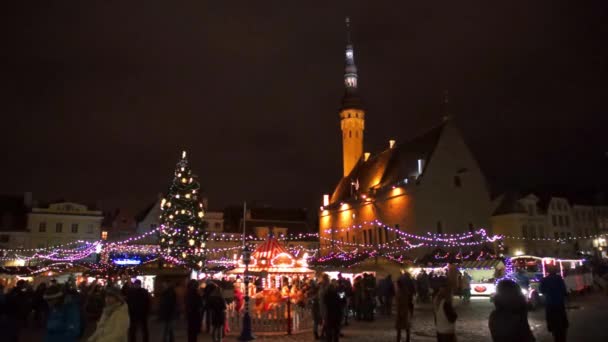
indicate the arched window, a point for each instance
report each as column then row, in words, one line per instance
column 350, row 134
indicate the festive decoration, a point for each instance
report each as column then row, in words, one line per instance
column 182, row 228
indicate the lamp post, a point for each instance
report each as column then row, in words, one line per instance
column 246, row 334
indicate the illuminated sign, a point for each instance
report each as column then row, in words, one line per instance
column 483, row 289
column 127, row 261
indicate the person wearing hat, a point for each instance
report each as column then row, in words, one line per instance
column 63, row 323
column 114, row 323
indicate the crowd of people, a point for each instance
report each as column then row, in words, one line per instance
column 108, row 313
column 103, row 313
column 333, row 301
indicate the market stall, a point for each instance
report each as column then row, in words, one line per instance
column 483, row 275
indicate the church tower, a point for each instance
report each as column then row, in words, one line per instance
column 352, row 115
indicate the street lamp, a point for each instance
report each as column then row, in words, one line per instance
column 246, row 334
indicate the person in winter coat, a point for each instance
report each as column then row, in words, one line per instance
column 194, row 310
column 40, row 306
column 63, row 323
column 216, row 305
column 168, row 311
column 387, row 292
column 313, row 297
column 138, row 300
column 404, row 312
column 333, row 315
column 113, row 326
column 554, row 290
column 509, row 321
column 94, row 303
column 445, row 316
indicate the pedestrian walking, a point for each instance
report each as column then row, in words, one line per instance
column 207, row 290
column 63, row 323
column 554, row 289
column 404, row 310
column 422, row 287
column 387, row 292
column 509, row 321
column 217, row 308
column 168, row 311
column 40, row 306
column 138, row 300
column 445, row 316
column 194, row 310
column 466, row 287
column 333, row 315
column 113, row 326
column 313, row 299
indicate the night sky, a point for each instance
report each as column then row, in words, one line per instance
column 99, row 97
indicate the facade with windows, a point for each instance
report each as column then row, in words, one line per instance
column 549, row 225
column 61, row 223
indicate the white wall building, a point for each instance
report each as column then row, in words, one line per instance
column 64, row 222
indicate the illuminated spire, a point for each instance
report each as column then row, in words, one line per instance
column 351, row 100
column 350, row 69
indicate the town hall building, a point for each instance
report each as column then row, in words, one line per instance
column 427, row 183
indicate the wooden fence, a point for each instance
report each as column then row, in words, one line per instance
column 285, row 318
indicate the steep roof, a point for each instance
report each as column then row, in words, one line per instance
column 390, row 166
column 509, row 204
column 142, row 214
column 13, row 213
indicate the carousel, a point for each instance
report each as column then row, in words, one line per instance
column 278, row 276
column 272, row 265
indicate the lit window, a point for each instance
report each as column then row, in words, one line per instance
column 104, row 235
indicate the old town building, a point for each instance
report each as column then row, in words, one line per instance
column 428, row 183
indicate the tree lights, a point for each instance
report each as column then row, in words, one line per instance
column 182, row 228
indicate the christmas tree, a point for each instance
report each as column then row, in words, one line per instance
column 182, row 228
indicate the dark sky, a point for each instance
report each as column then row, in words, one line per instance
column 99, row 97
